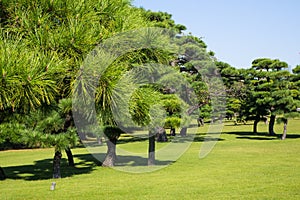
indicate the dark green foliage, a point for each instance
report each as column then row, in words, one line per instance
column 112, row 132
column 163, row 20
column 271, row 90
column 10, row 135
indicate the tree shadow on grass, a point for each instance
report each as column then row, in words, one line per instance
column 206, row 139
column 84, row 164
column 292, row 136
column 257, row 138
column 127, row 160
column 242, row 133
column 260, row 136
column 42, row 169
column 133, row 139
column 139, row 161
column 202, row 137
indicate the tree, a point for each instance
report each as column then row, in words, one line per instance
column 173, row 107
column 55, row 130
column 145, row 111
column 270, row 90
column 291, row 110
column 233, row 80
column 23, row 89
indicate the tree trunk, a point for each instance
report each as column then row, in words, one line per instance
column 284, row 129
column 99, row 140
column 271, row 125
column 70, row 157
column 56, row 164
column 200, row 121
column 111, row 156
column 151, row 149
column 161, row 134
column 172, row 131
column 183, row 131
column 2, row 174
column 82, row 136
column 257, row 118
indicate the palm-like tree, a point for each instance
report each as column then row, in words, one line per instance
column 105, row 82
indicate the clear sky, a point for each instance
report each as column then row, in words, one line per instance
column 239, row 31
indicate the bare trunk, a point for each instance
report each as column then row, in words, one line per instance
column 200, row 121
column 284, row 129
column 255, row 124
column 56, row 164
column 2, row 174
column 183, row 131
column 271, row 125
column 161, row 135
column 111, row 153
column 151, row 149
column 172, row 131
column 70, row 157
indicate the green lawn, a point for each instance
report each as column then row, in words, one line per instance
column 241, row 166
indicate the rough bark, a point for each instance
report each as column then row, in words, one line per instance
column 183, row 131
column 70, row 157
column 284, row 129
column 151, row 149
column 257, row 118
column 2, row 174
column 111, row 156
column 271, row 125
column 56, row 164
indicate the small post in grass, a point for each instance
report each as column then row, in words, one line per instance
column 52, row 187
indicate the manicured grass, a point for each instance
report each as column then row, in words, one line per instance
column 241, row 166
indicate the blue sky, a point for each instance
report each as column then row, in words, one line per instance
column 239, row 31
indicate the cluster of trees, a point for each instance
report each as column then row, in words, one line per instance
column 265, row 89
column 44, row 43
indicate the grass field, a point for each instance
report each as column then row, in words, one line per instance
column 241, row 166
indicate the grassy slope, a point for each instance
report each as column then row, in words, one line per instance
column 241, row 166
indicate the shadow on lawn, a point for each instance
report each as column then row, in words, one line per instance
column 260, row 136
column 138, row 161
column 84, row 164
column 206, row 138
column 42, row 169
